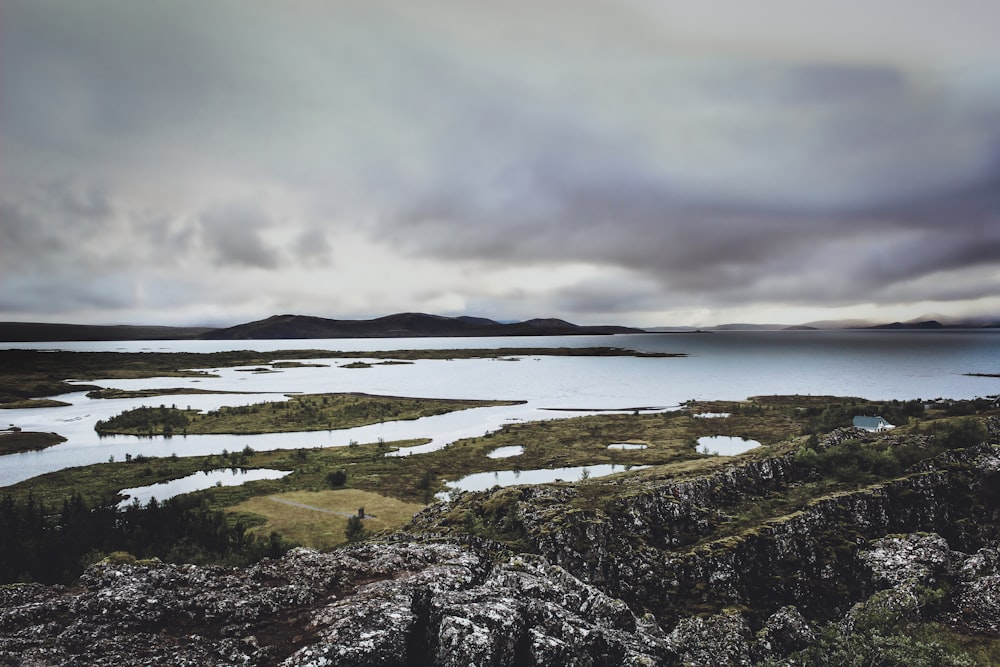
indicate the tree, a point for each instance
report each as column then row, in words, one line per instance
column 355, row 530
column 336, row 478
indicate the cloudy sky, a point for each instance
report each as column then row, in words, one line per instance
column 645, row 162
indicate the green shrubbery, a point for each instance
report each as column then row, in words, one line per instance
column 355, row 531
column 147, row 421
column 839, row 415
column 855, row 461
column 872, row 648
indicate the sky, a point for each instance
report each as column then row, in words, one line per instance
column 639, row 162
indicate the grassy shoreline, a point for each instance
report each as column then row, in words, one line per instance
column 300, row 413
column 32, row 374
column 782, row 424
column 16, row 442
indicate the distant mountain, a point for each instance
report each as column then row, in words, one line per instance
column 928, row 324
column 402, row 325
column 840, row 324
column 11, row 332
column 735, row 326
column 742, row 326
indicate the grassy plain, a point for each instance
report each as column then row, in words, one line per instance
column 318, row 518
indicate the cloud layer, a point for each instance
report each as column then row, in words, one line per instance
column 634, row 162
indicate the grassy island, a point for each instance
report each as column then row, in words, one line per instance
column 14, row 442
column 309, row 412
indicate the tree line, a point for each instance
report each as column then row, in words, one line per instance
column 49, row 545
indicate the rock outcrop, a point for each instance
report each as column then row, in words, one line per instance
column 656, row 545
column 397, row 603
column 653, row 575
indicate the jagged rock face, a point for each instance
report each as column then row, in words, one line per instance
column 784, row 632
column 917, row 569
column 602, row 588
column 637, row 548
column 387, row 604
column 723, row 639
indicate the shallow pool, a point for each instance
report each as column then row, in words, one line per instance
column 197, row 482
column 506, row 452
column 481, row 481
column 725, row 445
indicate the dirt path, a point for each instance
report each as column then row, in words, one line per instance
column 316, row 509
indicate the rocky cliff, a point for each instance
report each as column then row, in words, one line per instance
column 652, row 570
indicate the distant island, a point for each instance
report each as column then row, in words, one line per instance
column 400, row 325
column 409, row 325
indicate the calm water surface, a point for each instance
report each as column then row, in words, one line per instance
column 197, row 481
column 722, row 365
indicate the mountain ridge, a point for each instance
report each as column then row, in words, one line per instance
column 415, row 325
column 398, row 325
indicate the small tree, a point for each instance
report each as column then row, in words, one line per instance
column 336, row 478
column 355, row 530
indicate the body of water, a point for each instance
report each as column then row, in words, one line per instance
column 480, row 481
column 196, row 482
column 725, row 445
column 877, row 365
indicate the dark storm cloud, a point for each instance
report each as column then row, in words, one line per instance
column 885, row 184
column 312, row 247
column 231, row 234
column 666, row 157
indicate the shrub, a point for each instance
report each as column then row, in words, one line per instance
column 355, row 530
column 336, row 478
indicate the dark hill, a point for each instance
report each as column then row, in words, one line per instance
column 401, row 325
column 929, row 324
column 38, row 331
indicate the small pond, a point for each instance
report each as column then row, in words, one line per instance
column 627, row 445
column 506, row 452
column 725, row 445
column 481, row 481
column 197, row 482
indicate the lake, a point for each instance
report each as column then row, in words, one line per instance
column 730, row 365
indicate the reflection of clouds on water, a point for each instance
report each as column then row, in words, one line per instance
column 482, row 481
column 725, row 445
column 506, row 452
column 197, row 481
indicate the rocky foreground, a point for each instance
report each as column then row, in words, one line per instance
column 645, row 580
column 436, row 603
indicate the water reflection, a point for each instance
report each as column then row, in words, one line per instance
column 506, row 452
column 197, row 482
column 725, row 445
column 481, row 481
